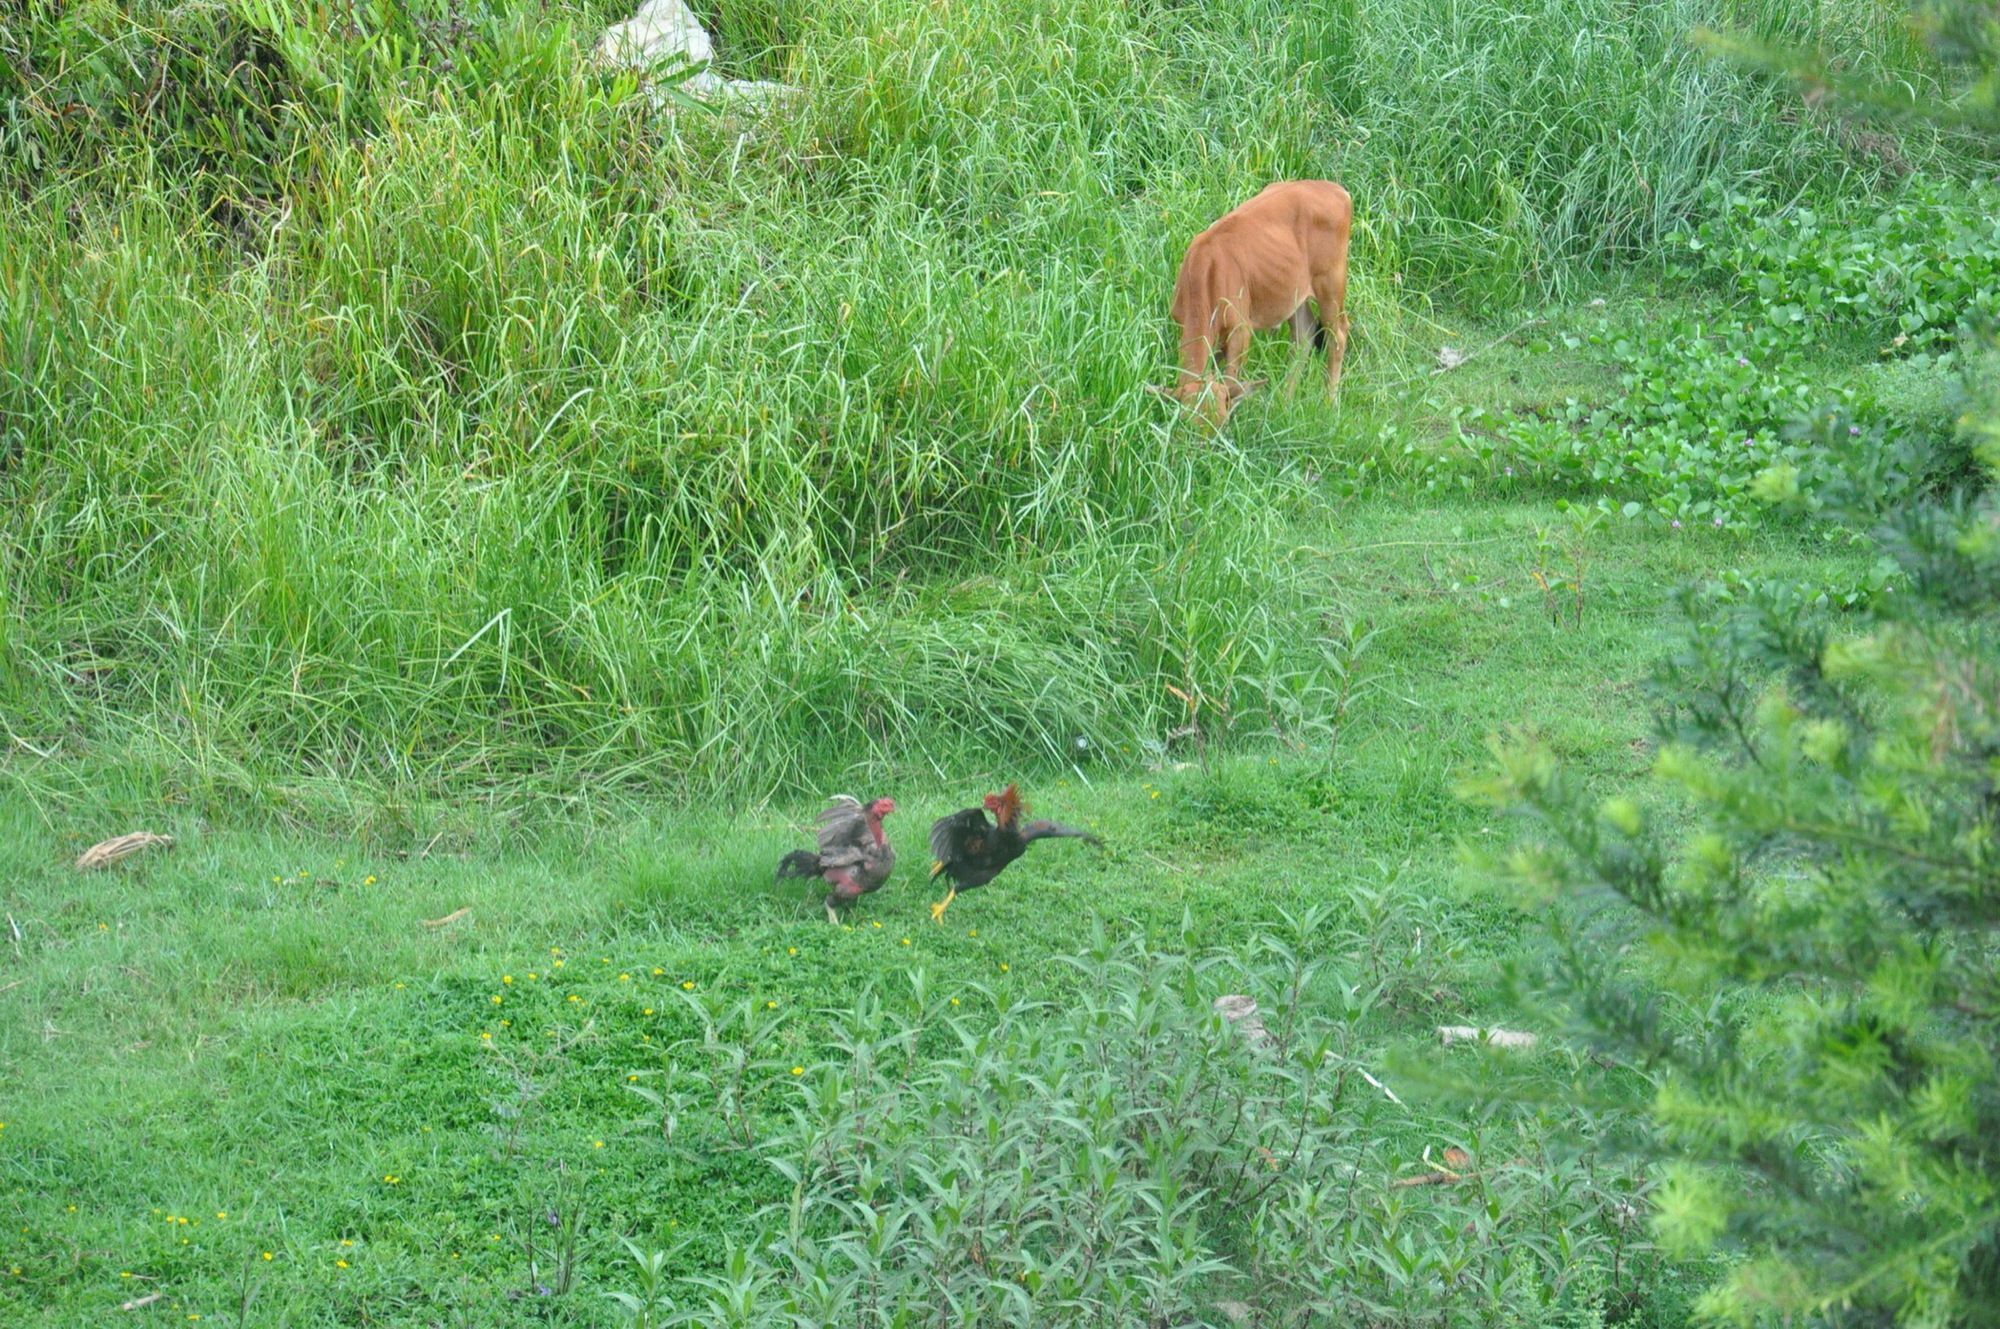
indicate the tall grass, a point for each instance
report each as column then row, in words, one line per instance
column 447, row 420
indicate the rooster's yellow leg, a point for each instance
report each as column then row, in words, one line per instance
column 937, row 910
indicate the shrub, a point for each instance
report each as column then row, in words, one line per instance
column 1811, row 966
column 1128, row 1156
column 1801, row 943
column 1705, row 407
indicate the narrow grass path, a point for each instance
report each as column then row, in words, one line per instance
column 250, row 1070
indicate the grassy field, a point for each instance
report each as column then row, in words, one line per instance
column 827, row 431
column 480, row 519
column 261, row 1025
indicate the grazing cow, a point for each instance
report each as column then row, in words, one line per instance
column 1255, row 268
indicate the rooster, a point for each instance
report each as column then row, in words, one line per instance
column 854, row 856
column 971, row 851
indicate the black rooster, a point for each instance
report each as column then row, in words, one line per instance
column 972, row 851
column 854, row 856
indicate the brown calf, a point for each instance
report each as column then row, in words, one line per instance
column 1254, row 269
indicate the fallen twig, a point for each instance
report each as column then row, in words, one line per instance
column 1499, row 1038
column 1387, row 1092
column 106, row 852
column 452, row 917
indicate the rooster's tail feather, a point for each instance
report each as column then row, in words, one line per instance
column 798, row 863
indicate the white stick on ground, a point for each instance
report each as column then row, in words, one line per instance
column 1499, row 1038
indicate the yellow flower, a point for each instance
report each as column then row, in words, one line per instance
column 504, row 1024
column 657, row 972
column 269, row 1256
column 597, row 1144
column 770, row 1005
column 346, row 1241
column 791, row 950
column 647, row 1011
column 624, row 978
column 495, row 999
column 559, row 964
column 125, row 1273
column 689, row 985
column 873, row 924
column 630, row 1078
column 555, row 950
column 400, row 986
column 485, row 1037
column 368, row 880
column 906, row 941
column 798, row 1070
column 392, row 1179
column 574, row 997
column 220, row 1213
column 508, row 979
column 972, row 932
column 1005, row 967
column 340, row 1264
column 532, row 975
column 954, row 1001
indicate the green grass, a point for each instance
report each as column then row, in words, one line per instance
column 826, row 431
column 435, row 482
column 250, row 1025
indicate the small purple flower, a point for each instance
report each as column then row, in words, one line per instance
column 1742, row 363
column 1718, row 521
column 1749, row 442
column 1677, row 524
column 1510, row 470
column 1854, row 430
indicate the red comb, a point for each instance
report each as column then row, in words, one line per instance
column 1006, row 805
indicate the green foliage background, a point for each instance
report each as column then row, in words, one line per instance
column 1802, row 948
column 396, row 404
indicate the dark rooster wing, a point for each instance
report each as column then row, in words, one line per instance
column 963, row 835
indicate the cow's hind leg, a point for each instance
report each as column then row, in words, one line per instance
column 1331, row 291
column 1306, row 332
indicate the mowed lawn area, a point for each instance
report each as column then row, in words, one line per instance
column 344, row 1082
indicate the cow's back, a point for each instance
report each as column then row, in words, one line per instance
column 1286, row 219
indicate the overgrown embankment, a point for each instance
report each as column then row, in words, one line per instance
column 394, row 404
